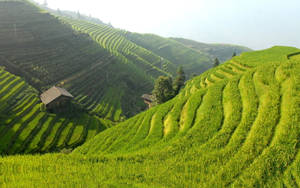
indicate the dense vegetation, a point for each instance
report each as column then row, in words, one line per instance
column 27, row 128
column 235, row 125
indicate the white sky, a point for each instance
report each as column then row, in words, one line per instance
column 256, row 24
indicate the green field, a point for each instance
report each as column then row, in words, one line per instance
column 236, row 125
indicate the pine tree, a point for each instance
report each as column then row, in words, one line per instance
column 179, row 81
column 163, row 90
column 234, row 54
column 217, row 62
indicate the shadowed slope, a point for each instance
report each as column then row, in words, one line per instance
column 26, row 128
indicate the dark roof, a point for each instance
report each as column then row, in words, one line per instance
column 53, row 93
column 148, row 97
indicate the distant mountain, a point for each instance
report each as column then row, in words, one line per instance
column 193, row 62
column 221, row 51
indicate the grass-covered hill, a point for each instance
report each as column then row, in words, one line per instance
column 236, row 125
column 221, row 51
column 25, row 127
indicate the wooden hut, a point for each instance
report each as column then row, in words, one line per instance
column 148, row 99
column 56, row 98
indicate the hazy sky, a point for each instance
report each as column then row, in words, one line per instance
column 256, row 24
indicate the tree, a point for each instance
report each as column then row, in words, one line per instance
column 194, row 75
column 217, row 62
column 163, row 90
column 234, row 54
column 179, row 81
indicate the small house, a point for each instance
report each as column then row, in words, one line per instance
column 148, row 99
column 56, row 98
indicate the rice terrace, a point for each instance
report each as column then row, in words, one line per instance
column 84, row 103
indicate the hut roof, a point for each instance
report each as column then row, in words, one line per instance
column 148, row 97
column 53, row 93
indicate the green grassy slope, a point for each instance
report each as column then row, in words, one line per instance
column 236, row 125
column 239, row 121
column 221, row 51
column 26, row 128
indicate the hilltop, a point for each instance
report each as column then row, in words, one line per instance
column 221, row 51
column 234, row 125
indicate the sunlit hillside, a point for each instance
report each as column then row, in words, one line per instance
column 236, row 125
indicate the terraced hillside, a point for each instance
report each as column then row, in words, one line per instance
column 179, row 50
column 222, row 51
column 155, row 54
column 194, row 62
column 113, row 40
column 236, row 125
column 44, row 51
column 26, row 128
